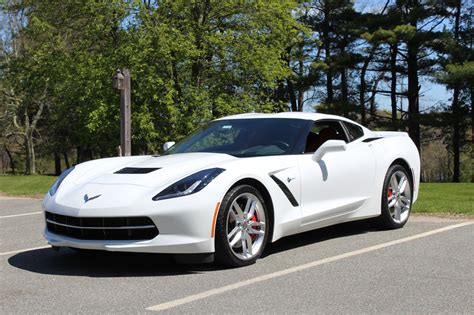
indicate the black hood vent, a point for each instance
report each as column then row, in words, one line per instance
column 136, row 170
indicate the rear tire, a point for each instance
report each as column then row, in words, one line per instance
column 396, row 199
column 242, row 227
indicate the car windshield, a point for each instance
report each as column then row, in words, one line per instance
column 247, row 137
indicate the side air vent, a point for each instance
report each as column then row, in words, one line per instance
column 136, row 170
column 371, row 139
column 285, row 190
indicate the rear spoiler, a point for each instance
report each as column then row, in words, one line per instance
column 387, row 134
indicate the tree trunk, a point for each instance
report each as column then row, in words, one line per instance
column 66, row 160
column 393, row 84
column 83, row 154
column 472, row 134
column 344, row 87
column 455, row 107
column 456, row 135
column 327, row 50
column 413, row 94
column 200, row 13
column 362, row 91
column 329, row 87
column 301, row 79
column 300, row 99
column 291, row 92
column 12, row 162
column 363, row 87
column 344, row 92
column 57, row 164
column 30, row 168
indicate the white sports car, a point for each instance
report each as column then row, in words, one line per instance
column 226, row 190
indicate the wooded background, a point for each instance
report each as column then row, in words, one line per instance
column 193, row 61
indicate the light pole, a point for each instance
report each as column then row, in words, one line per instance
column 121, row 82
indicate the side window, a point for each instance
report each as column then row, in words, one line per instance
column 355, row 132
column 323, row 131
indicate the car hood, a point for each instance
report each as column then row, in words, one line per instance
column 148, row 171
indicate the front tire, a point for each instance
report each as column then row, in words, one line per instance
column 396, row 199
column 242, row 227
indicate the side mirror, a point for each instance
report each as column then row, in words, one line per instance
column 168, row 145
column 328, row 146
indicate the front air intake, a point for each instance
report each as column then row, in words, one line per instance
column 90, row 228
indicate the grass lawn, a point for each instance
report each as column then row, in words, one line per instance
column 433, row 198
column 31, row 186
column 456, row 198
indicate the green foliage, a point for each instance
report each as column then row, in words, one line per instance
column 190, row 62
column 462, row 73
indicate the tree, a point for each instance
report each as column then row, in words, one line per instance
column 190, row 62
column 420, row 20
column 458, row 75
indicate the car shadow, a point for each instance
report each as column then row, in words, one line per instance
column 319, row 235
column 67, row 262
column 99, row 264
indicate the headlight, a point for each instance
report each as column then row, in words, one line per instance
column 189, row 185
column 59, row 180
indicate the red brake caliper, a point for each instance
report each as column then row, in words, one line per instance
column 254, row 219
column 390, row 192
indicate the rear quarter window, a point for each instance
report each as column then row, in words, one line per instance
column 355, row 132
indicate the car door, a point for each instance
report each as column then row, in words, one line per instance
column 340, row 182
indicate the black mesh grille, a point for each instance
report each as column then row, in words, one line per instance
column 119, row 228
column 136, row 170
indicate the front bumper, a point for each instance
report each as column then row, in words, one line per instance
column 171, row 244
column 185, row 223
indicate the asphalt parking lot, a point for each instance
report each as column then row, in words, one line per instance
column 426, row 267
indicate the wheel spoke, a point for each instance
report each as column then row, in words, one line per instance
column 238, row 210
column 251, row 212
column 233, row 215
column 394, row 182
column 236, row 238
column 392, row 203
column 398, row 211
column 232, row 233
column 402, row 185
column 405, row 201
column 256, row 232
column 248, row 240
column 244, row 246
column 256, row 223
column 248, row 205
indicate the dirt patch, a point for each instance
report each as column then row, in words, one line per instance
column 439, row 217
column 4, row 196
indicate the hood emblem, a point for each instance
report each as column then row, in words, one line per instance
column 87, row 198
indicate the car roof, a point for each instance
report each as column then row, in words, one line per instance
column 294, row 115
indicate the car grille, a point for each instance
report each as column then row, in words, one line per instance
column 120, row 228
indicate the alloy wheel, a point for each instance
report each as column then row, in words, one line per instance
column 245, row 226
column 399, row 197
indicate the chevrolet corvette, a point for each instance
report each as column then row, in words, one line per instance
column 231, row 187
